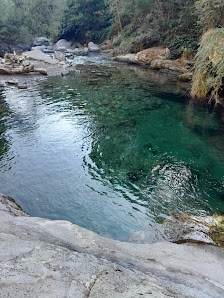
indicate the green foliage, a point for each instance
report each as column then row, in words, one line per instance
column 209, row 65
column 86, row 20
column 210, row 13
column 22, row 20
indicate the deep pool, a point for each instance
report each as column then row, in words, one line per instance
column 112, row 148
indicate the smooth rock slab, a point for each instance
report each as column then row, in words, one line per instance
column 44, row 258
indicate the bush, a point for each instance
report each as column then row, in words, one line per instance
column 209, row 66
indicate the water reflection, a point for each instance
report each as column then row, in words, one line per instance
column 111, row 148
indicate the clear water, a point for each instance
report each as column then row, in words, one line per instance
column 112, row 148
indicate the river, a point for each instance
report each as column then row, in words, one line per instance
column 113, row 148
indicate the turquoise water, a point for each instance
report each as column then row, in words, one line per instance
column 112, row 148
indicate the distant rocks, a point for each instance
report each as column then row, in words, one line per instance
column 61, row 51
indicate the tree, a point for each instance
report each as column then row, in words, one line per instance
column 86, row 20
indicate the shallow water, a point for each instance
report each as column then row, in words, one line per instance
column 112, row 148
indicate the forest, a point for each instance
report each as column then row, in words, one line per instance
column 132, row 25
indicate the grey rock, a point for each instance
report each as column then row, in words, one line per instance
column 13, row 82
column 59, row 56
column 26, row 63
column 61, row 49
column 62, row 43
column 65, row 71
column 41, row 41
column 22, row 86
column 48, row 50
column 40, row 48
column 42, row 258
column 40, row 56
column 81, row 51
column 3, row 83
column 41, row 71
column 93, row 47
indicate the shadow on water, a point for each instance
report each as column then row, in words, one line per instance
column 116, row 149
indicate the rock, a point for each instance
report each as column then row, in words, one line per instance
column 172, row 65
column 92, row 47
column 26, row 63
column 147, row 56
column 42, row 258
column 130, row 58
column 59, row 56
column 3, row 83
column 65, row 71
column 107, row 45
column 40, row 56
column 48, row 50
column 71, row 51
column 22, row 86
column 185, row 77
column 17, row 70
column 182, row 228
column 41, row 41
column 61, row 49
column 41, row 71
column 13, row 82
column 40, row 48
column 62, row 43
column 81, row 51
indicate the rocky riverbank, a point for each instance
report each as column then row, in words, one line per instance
column 44, row 258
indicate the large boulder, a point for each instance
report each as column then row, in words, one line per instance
column 62, row 43
column 147, row 56
column 41, row 41
column 93, row 47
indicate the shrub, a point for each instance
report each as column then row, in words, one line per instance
column 209, row 66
